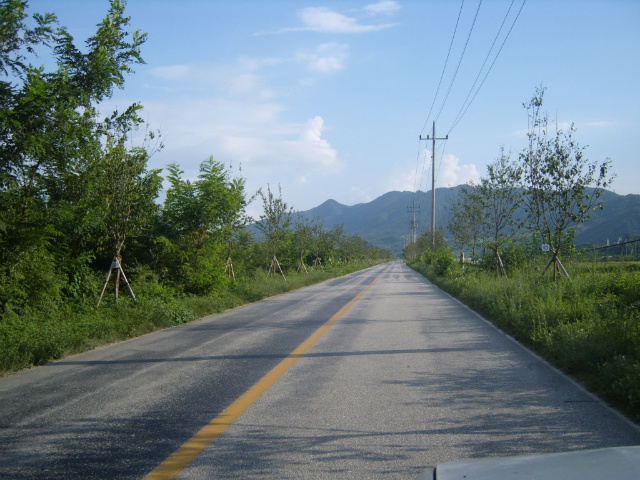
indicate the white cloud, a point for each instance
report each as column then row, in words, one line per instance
column 241, row 78
column 249, row 133
column 226, row 110
column 450, row 172
column 325, row 20
column 321, row 19
column 316, row 149
column 403, row 182
column 327, row 58
column 384, row 7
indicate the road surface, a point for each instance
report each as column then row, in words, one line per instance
column 396, row 377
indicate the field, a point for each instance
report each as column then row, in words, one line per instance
column 588, row 326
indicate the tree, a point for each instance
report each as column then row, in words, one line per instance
column 234, row 218
column 501, row 198
column 198, row 218
column 302, row 240
column 426, row 245
column 16, row 38
column 318, row 241
column 125, row 191
column 274, row 225
column 466, row 219
column 49, row 135
column 561, row 185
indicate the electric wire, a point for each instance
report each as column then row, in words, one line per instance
column 415, row 179
column 459, row 61
column 467, row 103
column 485, row 62
column 460, row 115
column 434, row 154
column 443, row 68
column 435, row 97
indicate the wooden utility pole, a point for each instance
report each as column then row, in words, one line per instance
column 433, row 180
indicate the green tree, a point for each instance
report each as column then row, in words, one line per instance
column 466, row 219
column 49, row 135
column 318, row 241
column 561, row 185
column 274, row 225
column 302, row 240
column 197, row 218
column 426, row 245
column 234, row 219
column 501, row 198
column 125, row 191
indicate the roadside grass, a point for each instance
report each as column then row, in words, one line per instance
column 588, row 327
column 32, row 338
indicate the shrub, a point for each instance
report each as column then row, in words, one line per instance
column 443, row 261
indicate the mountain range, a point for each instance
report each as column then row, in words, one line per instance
column 386, row 221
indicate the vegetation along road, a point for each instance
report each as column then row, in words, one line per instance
column 374, row 375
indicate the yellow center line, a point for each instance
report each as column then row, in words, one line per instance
column 193, row 447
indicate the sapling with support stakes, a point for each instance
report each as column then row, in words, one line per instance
column 561, row 187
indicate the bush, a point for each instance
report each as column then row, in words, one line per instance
column 443, row 261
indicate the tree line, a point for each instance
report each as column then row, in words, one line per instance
column 77, row 193
column 526, row 204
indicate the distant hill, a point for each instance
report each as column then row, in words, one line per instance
column 385, row 221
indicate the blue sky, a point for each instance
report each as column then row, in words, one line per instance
column 328, row 98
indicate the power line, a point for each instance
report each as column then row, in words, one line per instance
column 485, row 59
column 460, row 61
column 443, row 146
column 460, row 115
column 443, row 69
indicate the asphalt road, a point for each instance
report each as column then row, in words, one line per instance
column 405, row 379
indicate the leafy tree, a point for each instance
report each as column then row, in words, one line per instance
column 318, row 241
column 355, row 249
column 561, row 185
column 335, row 240
column 426, row 245
column 466, row 219
column 234, row 219
column 124, row 187
column 274, row 224
column 501, row 198
column 16, row 38
column 125, row 191
column 50, row 133
column 302, row 240
column 198, row 219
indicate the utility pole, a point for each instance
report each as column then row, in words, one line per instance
column 414, row 225
column 433, row 180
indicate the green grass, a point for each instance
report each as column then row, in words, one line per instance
column 36, row 337
column 589, row 327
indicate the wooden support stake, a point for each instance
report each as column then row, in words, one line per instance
column 272, row 268
column 229, row 269
column 117, row 266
